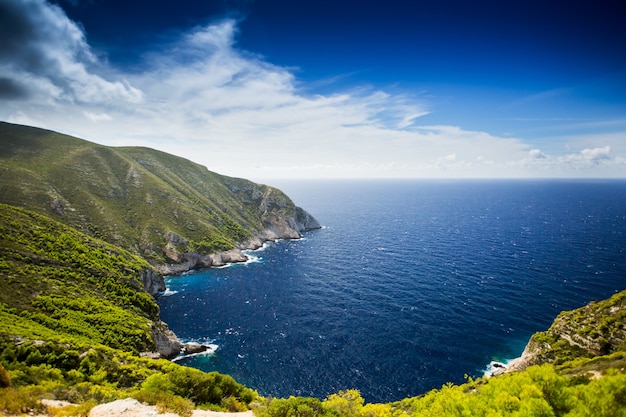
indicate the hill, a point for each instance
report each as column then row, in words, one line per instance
column 75, row 319
column 174, row 213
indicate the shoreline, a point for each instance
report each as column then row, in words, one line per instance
column 192, row 261
column 168, row 345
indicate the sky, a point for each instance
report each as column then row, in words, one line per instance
column 283, row 89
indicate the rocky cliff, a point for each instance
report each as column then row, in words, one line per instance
column 598, row 328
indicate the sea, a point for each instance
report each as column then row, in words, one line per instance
column 410, row 284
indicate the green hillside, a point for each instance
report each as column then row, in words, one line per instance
column 74, row 317
column 155, row 205
column 71, row 286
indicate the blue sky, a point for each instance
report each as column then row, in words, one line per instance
column 326, row 89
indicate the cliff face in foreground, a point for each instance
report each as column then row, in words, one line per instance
column 596, row 329
column 168, row 210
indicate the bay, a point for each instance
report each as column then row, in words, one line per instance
column 409, row 285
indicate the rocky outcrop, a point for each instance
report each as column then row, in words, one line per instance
column 192, row 348
column 596, row 329
column 153, row 282
column 277, row 226
column 227, row 257
column 129, row 407
column 167, row 344
column 305, row 222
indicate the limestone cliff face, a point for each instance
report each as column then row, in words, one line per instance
column 280, row 219
column 598, row 328
column 304, row 221
column 153, row 282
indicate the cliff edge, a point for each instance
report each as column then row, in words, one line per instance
column 597, row 329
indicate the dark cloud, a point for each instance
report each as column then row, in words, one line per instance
column 36, row 41
column 11, row 90
column 47, row 54
column 15, row 28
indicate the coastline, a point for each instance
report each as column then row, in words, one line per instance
column 168, row 345
column 189, row 261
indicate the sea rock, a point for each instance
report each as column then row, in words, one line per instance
column 193, row 347
column 153, row 282
column 227, row 257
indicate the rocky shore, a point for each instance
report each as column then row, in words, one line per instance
column 167, row 344
column 276, row 227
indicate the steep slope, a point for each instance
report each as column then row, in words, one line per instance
column 159, row 206
column 597, row 329
column 57, row 283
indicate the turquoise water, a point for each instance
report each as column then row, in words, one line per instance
column 410, row 284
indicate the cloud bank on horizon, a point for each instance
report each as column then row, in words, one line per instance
column 203, row 97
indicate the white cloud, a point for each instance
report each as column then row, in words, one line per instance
column 589, row 157
column 97, row 117
column 588, row 162
column 204, row 99
column 536, row 154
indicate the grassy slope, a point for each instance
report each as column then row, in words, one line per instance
column 73, row 318
column 132, row 197
column 71, row 284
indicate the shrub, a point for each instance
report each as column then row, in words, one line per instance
column 20, row 401
column 5, row 379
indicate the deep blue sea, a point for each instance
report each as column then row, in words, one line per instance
column 409, row 285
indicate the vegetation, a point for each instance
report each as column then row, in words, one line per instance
column 73, row 319
column 72, row 284
column 537, row 391
column 132, row 197
column 596, row 329
column 90, row 375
